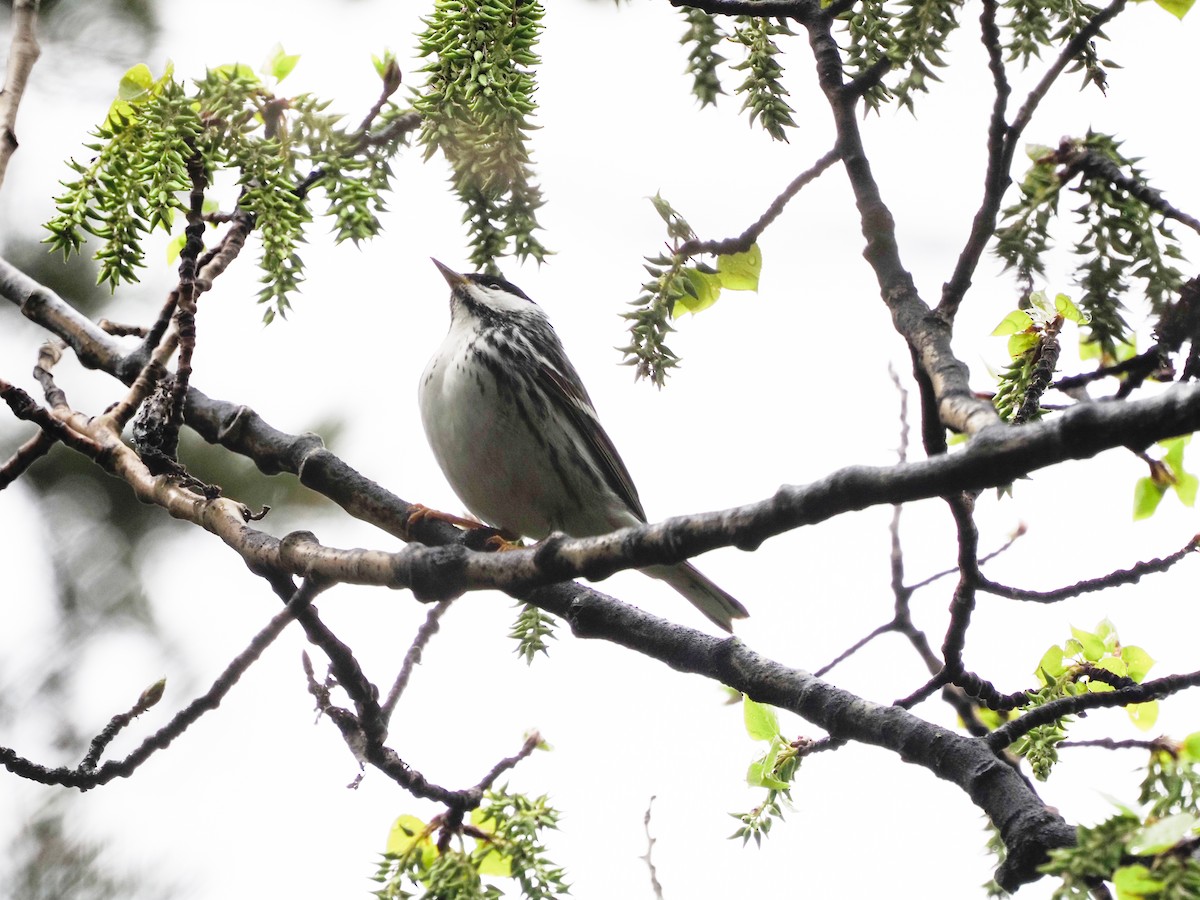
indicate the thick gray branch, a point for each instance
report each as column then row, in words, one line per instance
column 22, row 54
column 1028, row 828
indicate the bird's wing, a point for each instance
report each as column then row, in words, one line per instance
column 568, row 392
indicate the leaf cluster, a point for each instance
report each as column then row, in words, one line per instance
column 132, row 184
column 502, row 840
column 1034, row 25
column 702, row 38
column 1090, row 661
column 676, row 288
column 774, row 771
column 762, row 91
column 532, row 629
column 921, row 30
column 1032, row 332
column 1148, row 854
column 162, row 139
column 909, row 40
column 1125, row 235
column 1166, row 474
column 477, row 105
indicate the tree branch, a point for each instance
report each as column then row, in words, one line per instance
column 1028, row 828
column 23, row 53
column 746, row 239
column 1132, row 575
column 928, row 335
column 86, row 776
column 800, row 10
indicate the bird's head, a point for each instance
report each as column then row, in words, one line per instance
column 485, row 296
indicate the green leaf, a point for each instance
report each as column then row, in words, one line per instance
column 175, row 248
column 1143, row 715
column 1051, row 667
column 240, row 71
column 1190, row 746
column 1177, row 8
column 1091, row 645
column 1020, row 344
column 761, row 722
column 407, row 832
column 494, row 863
column 1134, row 882
column 1015, row 322
column 740, row 271
column 1147, row 494
column 1174, row 447
column 1185, row 488
column 1113, row 664
column 1065, row 307
column 1161, row 835
column 136, row 84
column 1137, row 661
column 278, row 64
column 703, row 290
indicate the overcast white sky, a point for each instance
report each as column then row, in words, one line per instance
column 779, row 387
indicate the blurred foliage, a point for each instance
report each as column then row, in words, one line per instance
column 50, row 862
column 97, row 534
column 1146, row 854
column 104, row 31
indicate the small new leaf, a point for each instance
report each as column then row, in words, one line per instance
column 701, row 291
column 1177, row 8
column 1092, row 645
column 740, row 271
column 407, row 832
column 761, row 722
column 1144, row 716
column 1135, row 882
column 136, row 84
column 1016, row 322
column 1162, row 835
column 1147, row 494
column 279, row 65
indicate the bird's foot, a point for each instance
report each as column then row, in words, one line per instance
column 418, row 513
column 502, row 541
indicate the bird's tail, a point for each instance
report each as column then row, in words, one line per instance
column 718, row 605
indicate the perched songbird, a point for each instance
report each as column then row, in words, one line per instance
column 516, row 434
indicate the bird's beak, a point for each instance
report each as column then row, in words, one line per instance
column 454, row 279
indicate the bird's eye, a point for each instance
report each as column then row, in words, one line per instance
column 499, row 284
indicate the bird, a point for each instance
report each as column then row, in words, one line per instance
column 517, row 436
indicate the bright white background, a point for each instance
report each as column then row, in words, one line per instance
column 779, row 387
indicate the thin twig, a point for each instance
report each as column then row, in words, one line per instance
column 25, row 456
column 648, row 857
column 85, row 778
column 997, row 177
column 746, row 239
column 1121, row 576
column 413, row 657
